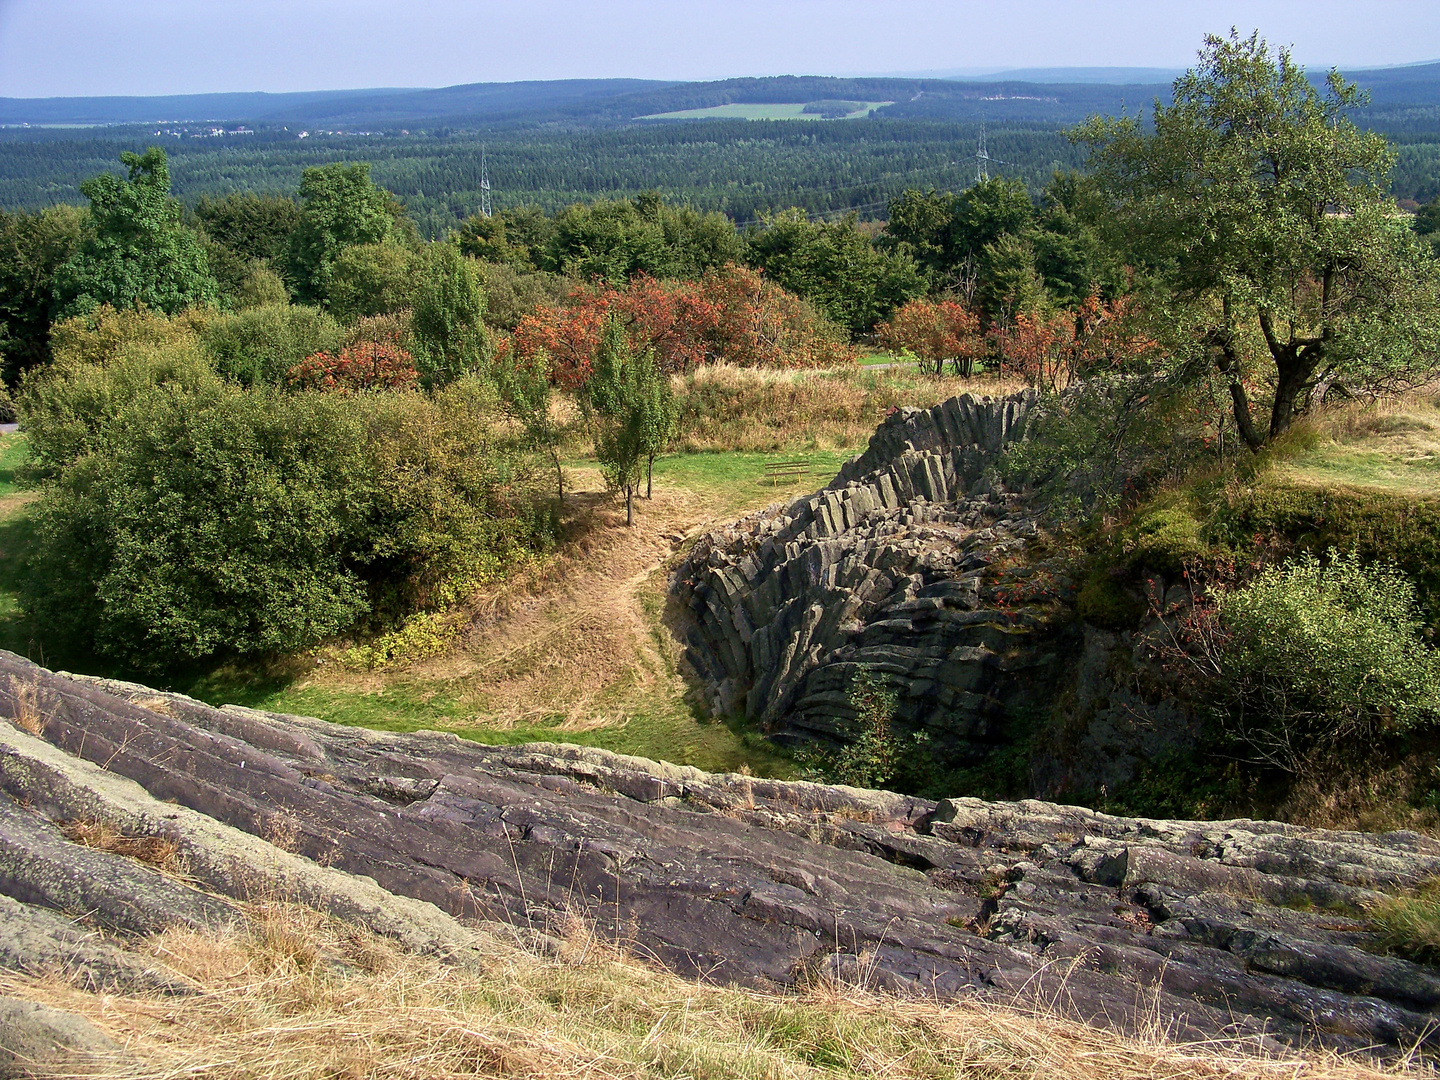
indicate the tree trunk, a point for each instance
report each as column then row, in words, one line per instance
column 559, row 477
column 649, row 475
column 629, row 505
column 1227, row 362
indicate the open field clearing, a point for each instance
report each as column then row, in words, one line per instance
column 767, row 111
column 1393, row 446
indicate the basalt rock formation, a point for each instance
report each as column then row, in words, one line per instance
column 916, row 564
column 1216, row 929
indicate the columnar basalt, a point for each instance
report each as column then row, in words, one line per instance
column 908, row 564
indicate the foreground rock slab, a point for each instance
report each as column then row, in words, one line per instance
column 1219, row 929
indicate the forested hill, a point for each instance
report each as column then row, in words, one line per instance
column 1057, row 95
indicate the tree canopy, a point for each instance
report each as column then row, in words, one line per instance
column 1262, row 210
column 136, row 248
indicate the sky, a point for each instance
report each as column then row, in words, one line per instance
column 101, row 47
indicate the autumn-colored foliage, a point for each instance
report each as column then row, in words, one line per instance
column 1048, row 351
column 936, row 331
column 732, row 315
column 365, row 365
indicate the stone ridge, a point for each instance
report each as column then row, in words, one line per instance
column 1215, row 930
column 888, row 567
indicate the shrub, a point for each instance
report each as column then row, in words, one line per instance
column 368, row 366
column 1321, row 655
column 103, row 365
column 1374, row 524
column 228, row 520
column 262, row 344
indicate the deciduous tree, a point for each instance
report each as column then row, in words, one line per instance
column 1259, row 202
column 136, row 249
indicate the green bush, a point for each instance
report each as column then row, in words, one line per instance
column 261, row 344
column 229, row 520
column 1164, row 536
column 102, row 369
column 1376, row 525
column 1322, row 654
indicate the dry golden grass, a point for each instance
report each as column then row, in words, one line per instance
column 296, row 996
column 157, row 851
column 1392, row 444
column 756, row 409
column 28, row 716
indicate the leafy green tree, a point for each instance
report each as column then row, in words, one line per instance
column 659, row 414
column 1009, row 283
column 519, row 237
column 246, row 237
column 136, row 249
column 524, row 385
column 923, row 221
column 371, row 279
column 253, row 226
column 836, row 267
column 989, row 210
column 340, row 207
column 1259, row 203
column 617, row 239
column 32, row 248
column 1427, row 223
column 448, row 324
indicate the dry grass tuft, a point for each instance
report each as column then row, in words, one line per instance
column 28, row 717
column 1409, row 926
column 298, row 996
column 158, row 851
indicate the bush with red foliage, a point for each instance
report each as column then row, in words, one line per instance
column 731, row 315
column 366, row 365
column 1048, row 351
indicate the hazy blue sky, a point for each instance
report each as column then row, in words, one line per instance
column 85, row 47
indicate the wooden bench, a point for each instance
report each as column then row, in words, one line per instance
column 792, row 471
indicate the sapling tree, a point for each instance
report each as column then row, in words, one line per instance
column 524, row 385
column 616, row 398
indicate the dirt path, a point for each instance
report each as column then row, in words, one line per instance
column 582, row 648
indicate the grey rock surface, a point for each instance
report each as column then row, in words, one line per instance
column 1219, row 929
column 36, row 1039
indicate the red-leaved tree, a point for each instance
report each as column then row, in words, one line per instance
column 732, row 315
column 367, row 365
column 936, row 331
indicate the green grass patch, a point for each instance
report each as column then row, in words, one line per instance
column 659, row 729
column 1409, row 926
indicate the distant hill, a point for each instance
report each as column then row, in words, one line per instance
column 1058, row 95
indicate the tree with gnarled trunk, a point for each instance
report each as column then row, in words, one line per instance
column 1264, row 209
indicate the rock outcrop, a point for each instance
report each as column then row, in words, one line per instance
column 907, row 564
column 916, row 564
column 1215, row 929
